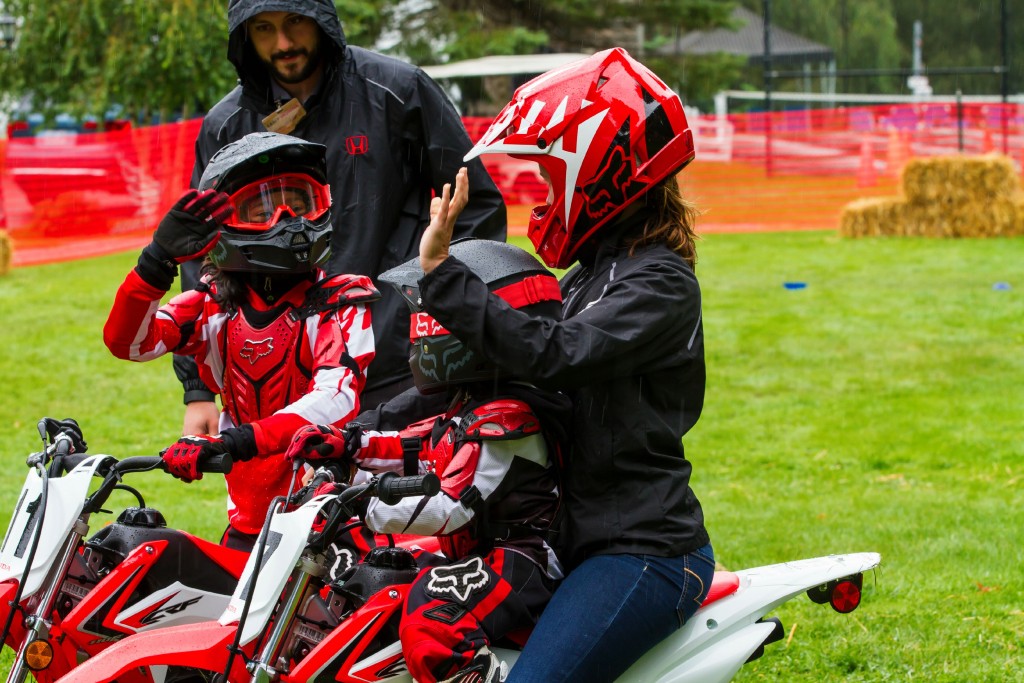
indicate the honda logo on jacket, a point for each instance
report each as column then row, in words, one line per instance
column 357, row 144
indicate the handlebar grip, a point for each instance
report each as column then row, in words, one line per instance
column 220, row 463
column 62, row 445
column 138, row 463
column 391, row 488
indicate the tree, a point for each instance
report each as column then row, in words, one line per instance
column 437, row 31
column 151, row 57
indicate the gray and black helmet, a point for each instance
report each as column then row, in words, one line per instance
column 437, row 358
column 282, row 218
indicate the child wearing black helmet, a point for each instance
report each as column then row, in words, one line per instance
column 281, row 344
column 495, row 449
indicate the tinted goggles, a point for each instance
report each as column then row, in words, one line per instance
column 261, row 204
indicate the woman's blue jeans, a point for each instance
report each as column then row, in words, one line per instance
column 609, row 611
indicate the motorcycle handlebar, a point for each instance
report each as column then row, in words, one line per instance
column 217, row 464
column 391, row 488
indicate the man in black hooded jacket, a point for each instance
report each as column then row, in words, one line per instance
column 393, row 138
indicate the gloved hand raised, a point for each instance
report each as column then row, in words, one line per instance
column 192, row 226
column 323, row 442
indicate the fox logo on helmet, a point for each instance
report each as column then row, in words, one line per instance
column 611, row 188
column 458, row 581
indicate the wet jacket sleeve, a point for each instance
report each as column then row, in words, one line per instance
column 621, row 333
column 438, row 126
column 139, row 329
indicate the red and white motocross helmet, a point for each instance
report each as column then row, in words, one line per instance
column 605, row 129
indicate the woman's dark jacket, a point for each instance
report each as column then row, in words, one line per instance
column 630, row 354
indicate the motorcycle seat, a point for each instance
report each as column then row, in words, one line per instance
column 724, row 583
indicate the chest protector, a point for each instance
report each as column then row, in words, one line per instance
column 266, row 366
column 454, row 447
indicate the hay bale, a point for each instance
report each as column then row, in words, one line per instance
column 957, row 196
column 5, row 252
column 954, row 180
column 995, row 218
column 872, row 217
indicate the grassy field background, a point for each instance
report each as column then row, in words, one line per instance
column 878, row 408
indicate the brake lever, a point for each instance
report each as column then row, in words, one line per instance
column 321, row 476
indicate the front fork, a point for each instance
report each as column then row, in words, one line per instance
column 37, row 624
column 263, row 667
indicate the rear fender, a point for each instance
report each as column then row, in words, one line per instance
column 729, row 619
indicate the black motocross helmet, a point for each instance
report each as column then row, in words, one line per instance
column 437, row 358
column 282, row 218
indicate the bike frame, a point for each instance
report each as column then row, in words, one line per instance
column 44, row 557
column 728, row 630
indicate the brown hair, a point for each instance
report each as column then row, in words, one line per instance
column 672, row 221
column 230, row 289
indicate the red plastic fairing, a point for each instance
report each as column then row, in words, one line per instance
column 118, row 588
column 724, row 583
column 231, row 561
column 350, row 653
column 201, row 646
column 7, row 590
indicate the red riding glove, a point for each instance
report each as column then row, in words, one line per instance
column 323, row 442
column 182, row 458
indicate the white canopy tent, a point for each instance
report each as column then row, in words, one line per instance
column 503, row 65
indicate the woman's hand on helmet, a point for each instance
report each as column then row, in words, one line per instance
column 192, row 226
column 444, row 211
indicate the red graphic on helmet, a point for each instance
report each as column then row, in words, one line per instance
column 612, row 187
column 606, row 130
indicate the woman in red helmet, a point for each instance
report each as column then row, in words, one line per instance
column 609, row 137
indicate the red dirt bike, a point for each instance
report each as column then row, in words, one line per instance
column 65, row 598
column 289, row 623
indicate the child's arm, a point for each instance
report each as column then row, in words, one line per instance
column 136, row 329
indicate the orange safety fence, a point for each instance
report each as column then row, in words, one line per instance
column 76, row 195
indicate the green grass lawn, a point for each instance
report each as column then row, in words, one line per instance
column 877, row 409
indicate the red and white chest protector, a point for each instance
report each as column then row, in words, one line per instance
column 493, row 462
column 276, row 369
column 265, row 368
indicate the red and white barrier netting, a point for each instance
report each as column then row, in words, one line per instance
column 76, row 195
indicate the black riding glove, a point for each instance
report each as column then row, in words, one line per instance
column 192, row 226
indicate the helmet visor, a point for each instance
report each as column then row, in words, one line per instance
column 261, row 204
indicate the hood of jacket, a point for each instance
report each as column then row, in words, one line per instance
column 252, row 73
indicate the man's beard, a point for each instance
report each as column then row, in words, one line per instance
column 312, row 62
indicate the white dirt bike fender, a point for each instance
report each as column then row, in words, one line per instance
column 65, row 500
column 716, row 641
column 286, row 539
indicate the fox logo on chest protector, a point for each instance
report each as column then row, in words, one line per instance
column 254, row 350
